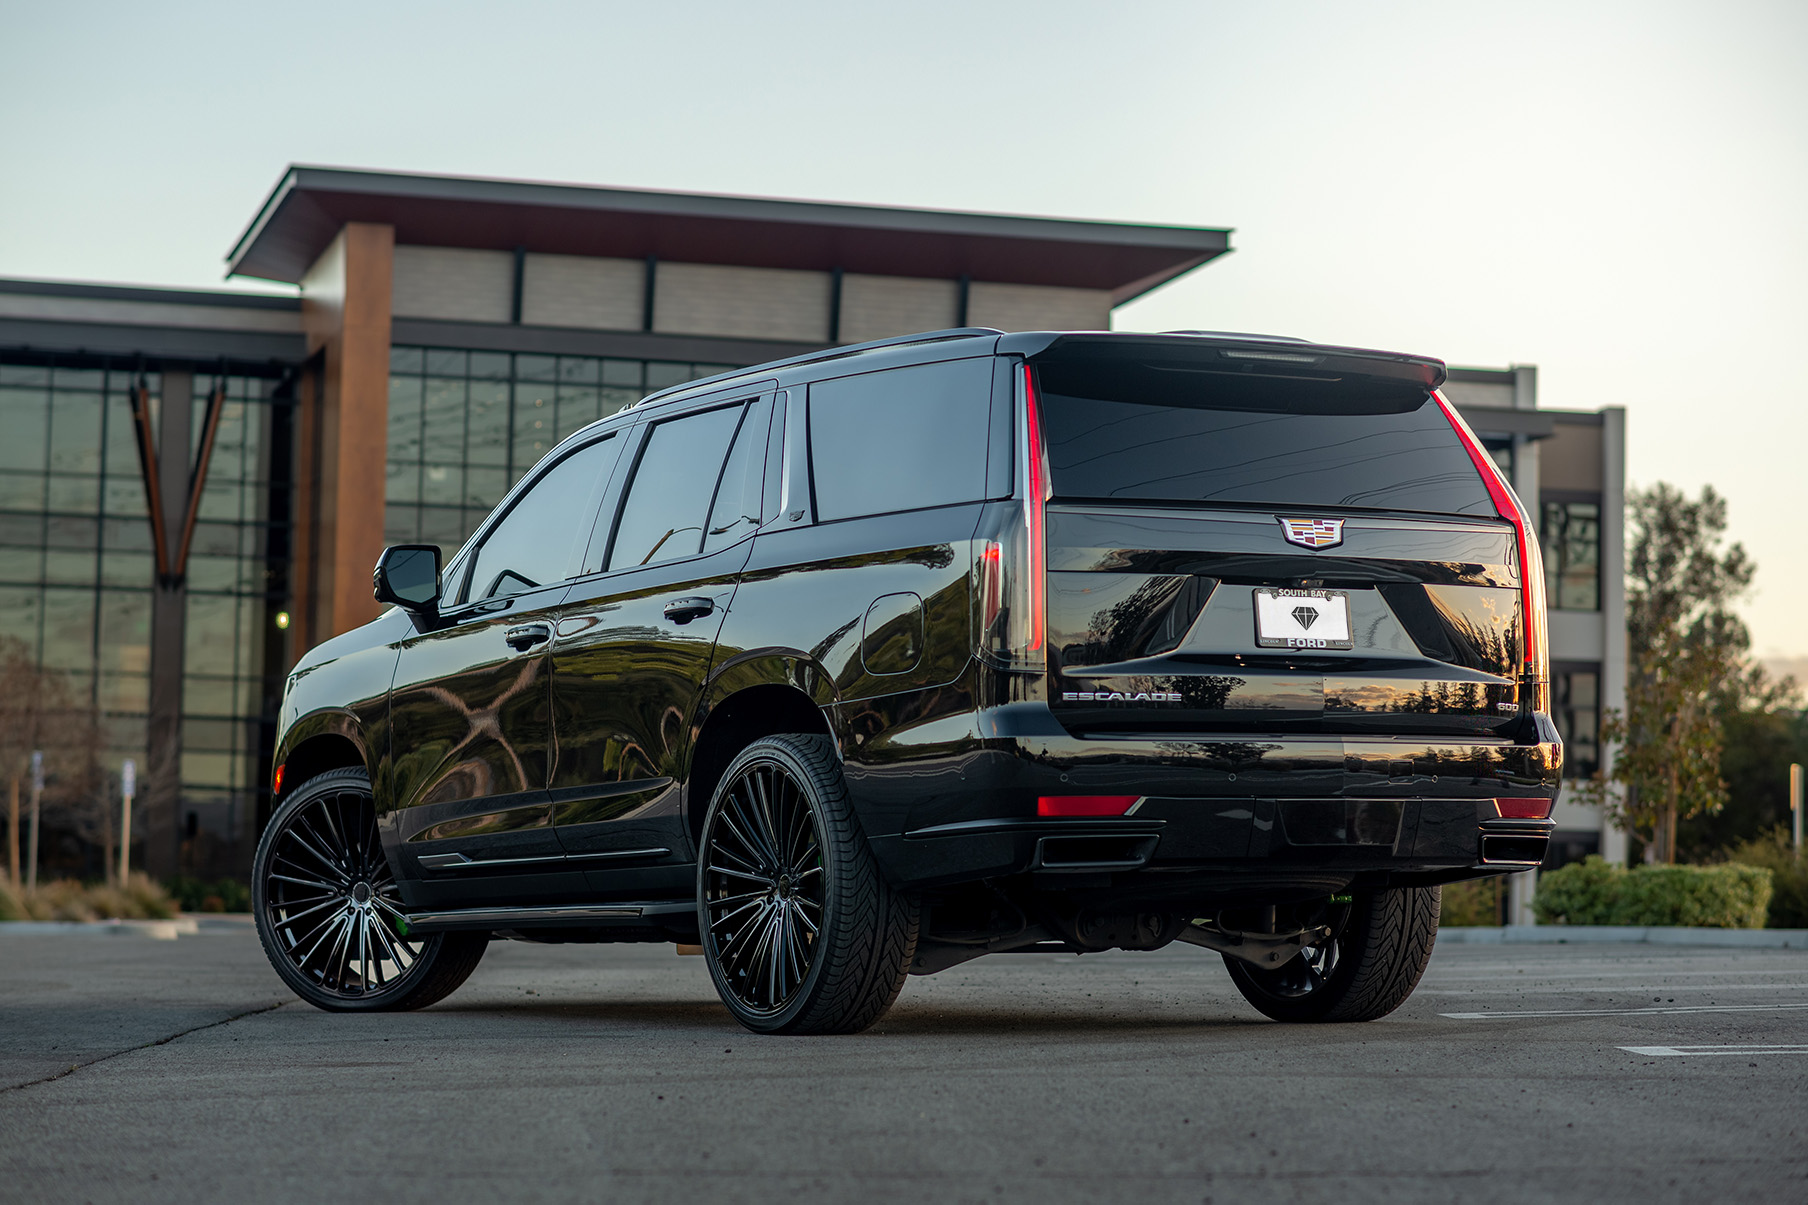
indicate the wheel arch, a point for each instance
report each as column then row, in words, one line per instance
column 326, row 740
column 736, row 721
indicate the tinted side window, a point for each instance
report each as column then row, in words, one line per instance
column 736, row 510
column 532, row 545
column 664, row 514
column 902, row 439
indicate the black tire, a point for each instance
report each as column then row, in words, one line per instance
column 329, row 914
column 1367, row 968
column 801, row 933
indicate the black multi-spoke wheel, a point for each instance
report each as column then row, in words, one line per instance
column 800, row 931
column 1366, row 969
column 328, row 911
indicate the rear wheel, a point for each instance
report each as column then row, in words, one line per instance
column 800, row 931
column 1366, row 969
column 329, row 913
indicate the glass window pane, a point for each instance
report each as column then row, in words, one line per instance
column 737, row 507
column 664, row 514
column 21, row 491
column 25, row 417
column 1120, row 429
column 125, row 631
column 488, row 419
column 75, row 433
column 68, row 629
column 212, row 641
column 406, row 359
column 80, row 494
column 20, row 610
column 532, row 545
column 443, row 437
column 902, row 439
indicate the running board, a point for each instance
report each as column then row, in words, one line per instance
column 586, row 916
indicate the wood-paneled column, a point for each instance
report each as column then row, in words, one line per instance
column 343, row 432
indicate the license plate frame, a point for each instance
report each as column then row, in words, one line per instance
column 1279, row 627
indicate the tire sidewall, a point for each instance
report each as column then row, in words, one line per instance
column 1314, row 1006
column 775, row 752
column 303, row 795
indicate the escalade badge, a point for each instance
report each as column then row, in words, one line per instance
column 1313, row 533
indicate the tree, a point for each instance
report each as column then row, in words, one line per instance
column 1690, row 665
column 40, row 711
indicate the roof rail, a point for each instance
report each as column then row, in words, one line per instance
column 831, row 353
column 1241, row 335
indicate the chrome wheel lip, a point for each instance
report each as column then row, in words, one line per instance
column 761, row 900
column 329, row 905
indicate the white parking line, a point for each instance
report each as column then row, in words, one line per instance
column 1670, row 1052
column 1629, row 1012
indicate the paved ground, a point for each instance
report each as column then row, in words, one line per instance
column 598, row 1073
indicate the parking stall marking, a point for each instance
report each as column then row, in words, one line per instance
column 1666, row 1052
column 1627, row 1012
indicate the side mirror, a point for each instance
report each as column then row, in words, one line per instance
column 408, row 576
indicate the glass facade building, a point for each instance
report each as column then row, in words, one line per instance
column 78, row 574
column 464, row 426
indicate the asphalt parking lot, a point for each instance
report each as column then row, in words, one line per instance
column 142, row 1070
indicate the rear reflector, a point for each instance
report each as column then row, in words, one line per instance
column 1524, row 809
column 1085, row 805
column 276, row 785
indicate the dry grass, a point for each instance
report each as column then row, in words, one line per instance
column 66, row 899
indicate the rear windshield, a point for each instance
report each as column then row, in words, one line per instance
column 1174, row 433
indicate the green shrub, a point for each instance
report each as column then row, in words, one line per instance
column 1592, row 892
column 1471, row 902
column 1788, row 877
column 11, row 906
column 210, row 895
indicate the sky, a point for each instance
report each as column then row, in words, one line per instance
column 1614, row 192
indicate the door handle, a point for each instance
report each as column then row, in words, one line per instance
column 527, row 636
column 683, row 610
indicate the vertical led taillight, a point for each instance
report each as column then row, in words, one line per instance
column 1035, row 502
column 1535, row 670
column 1011, row 567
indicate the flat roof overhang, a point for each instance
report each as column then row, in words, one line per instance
column 309, row 205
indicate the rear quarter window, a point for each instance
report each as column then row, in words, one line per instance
column 901, row 439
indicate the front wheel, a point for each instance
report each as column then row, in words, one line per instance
column 800, row 931
column 329, row 914
column 1364, row 970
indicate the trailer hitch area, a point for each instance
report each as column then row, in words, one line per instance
column 1265, row 950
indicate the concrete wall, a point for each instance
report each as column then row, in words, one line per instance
column 462, row 285
column 878, row 307
column 1037, row 308
column 583, row 291
column 747, row 303
column 453, row 283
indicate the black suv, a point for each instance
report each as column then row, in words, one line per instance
column 867, row 663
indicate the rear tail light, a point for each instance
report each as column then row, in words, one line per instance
column 1085, row 805
column 1536, row 661
column 1012, row 569
column 1523, row 809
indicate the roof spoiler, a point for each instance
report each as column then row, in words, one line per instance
column 1265, row 354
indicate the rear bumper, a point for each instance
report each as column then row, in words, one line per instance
column 1241, row 806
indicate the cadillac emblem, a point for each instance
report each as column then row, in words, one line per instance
column 1313, row 533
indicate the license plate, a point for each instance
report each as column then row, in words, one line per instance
column 1303, row 619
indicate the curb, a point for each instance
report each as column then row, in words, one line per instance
column 1654, row 935
column 158, row 930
